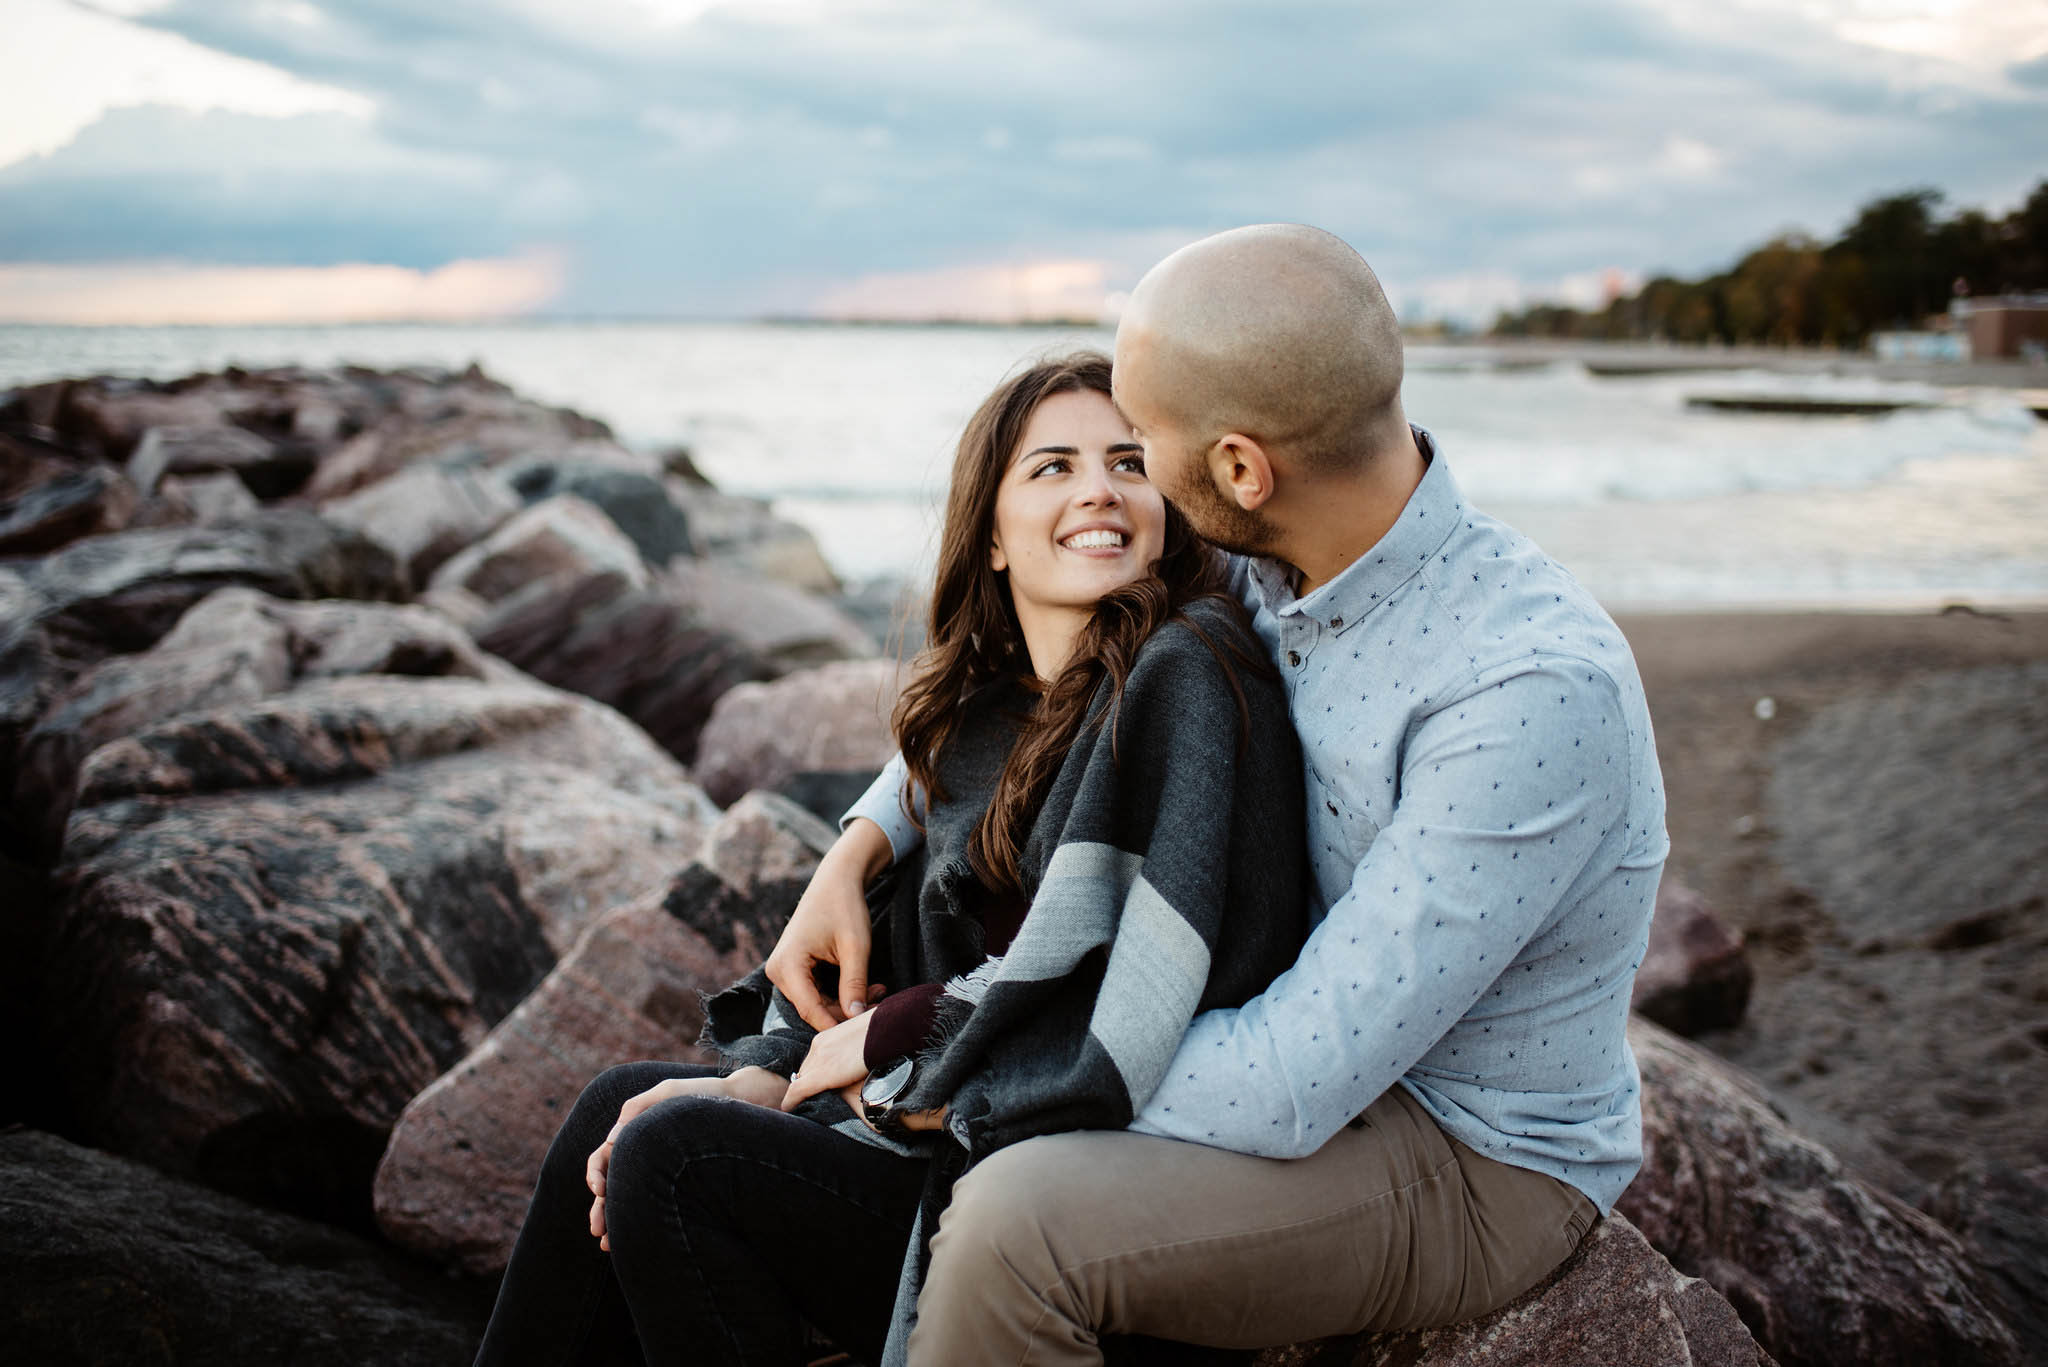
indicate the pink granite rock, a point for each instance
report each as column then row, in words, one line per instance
column 1695, row 975
column 1615, row 1303
column 275, row 922
column 834, row 717
column 424, row 515
column 1824, row 1268
column 455, row 1180
column 559, row 538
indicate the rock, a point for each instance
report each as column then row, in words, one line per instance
column 106, row 1261
column 66, row 503
column 426, row 514
column 1695, row 975
column 1823, row 1268
column 835, row 717
column 745, row 535
column 208, row 500
column 275, row 923
column 787, row 627
column 827, row 793
column 635, row 502
column 268, row 470
column 1615, row 1303
column 630, row 646
column 2001, row 1215
column 455, row 1180
column 117, row 593
column 121, row 592
column 237, row 646
column 563, row 537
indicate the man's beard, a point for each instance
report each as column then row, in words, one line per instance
column 1218, row 520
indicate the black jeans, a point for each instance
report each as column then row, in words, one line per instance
column 731, row 1226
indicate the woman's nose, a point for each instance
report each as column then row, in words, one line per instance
column 1097, row 491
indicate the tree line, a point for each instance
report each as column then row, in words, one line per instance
column 1894, row 265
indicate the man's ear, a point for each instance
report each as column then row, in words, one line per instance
column 1242, row 467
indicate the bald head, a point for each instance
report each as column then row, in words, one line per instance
column 1279, row 332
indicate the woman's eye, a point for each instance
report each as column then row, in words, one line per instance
column 1134, row 464
column 1057, row 464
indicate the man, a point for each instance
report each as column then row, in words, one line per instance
column 1445, row 1066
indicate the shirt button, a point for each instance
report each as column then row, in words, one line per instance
column 1294, row 658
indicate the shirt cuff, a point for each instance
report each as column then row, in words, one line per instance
column 900, row 1023
column 882, row 804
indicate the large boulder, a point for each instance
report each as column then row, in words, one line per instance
column 47, row 503
column 2001, row 1215
column 107, row 1261
column 236, row 646
column 1614, row 1303
column 1695, row 975
column 634, row 500
column 455, row 1181
column 268, row 469
column 560, row 538
column 120, row 592
column 107, row 595
column 426, row 514
column 278, row 921
column 834, row 718
column 788, row 627
column 746, row 535
column 632, row 646
column 1823, row 1268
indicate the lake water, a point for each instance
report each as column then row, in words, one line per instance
column 850, row 429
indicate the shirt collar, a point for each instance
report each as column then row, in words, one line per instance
column 1426, row 522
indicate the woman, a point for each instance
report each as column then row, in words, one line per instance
column 1113, row 841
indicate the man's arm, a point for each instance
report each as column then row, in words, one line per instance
column 882, row 804
column 1504, row 798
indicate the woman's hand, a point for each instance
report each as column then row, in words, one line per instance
column 837, row 1060
column 756, row 1085
column 830, row 926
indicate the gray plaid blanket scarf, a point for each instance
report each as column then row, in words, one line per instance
column 1167, row 871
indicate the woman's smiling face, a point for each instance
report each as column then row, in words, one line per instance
column 1075, row 516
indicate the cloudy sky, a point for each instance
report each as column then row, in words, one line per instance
column 311, row 159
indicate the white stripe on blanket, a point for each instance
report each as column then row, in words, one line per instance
column 1070, row 915
column 1157, row 969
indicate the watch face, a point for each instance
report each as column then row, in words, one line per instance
column 883, row 1088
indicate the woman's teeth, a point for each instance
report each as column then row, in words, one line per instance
column 1094, row 541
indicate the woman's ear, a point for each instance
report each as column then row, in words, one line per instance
column 997, row 561
column 1243, row 469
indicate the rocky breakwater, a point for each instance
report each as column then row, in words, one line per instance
column 283, row 837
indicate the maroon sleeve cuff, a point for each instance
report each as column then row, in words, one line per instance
column 899, row 1023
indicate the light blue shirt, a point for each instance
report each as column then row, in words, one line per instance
column 1486, row 829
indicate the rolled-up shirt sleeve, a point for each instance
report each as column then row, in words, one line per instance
column 883, row 804
column 1505, row 794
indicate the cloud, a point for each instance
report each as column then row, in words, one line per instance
column 1017, row 293
column 67, row 65
column 692, row 156
column 157, row 293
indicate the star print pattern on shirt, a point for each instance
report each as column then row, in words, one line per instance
column 1486, row 830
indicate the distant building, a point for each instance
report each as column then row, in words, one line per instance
column 1953, row 345
column 2005, row 324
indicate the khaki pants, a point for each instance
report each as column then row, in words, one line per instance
column 1390, row 1225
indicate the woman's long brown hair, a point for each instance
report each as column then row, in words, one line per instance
column 974, row 638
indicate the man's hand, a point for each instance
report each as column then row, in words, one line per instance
column 756, row 1085
column 830, row 926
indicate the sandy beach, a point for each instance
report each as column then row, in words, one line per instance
column 1877, row 829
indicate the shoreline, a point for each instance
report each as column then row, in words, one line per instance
column 1877, row 833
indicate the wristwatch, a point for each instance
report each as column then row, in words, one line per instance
column 882, row 1094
